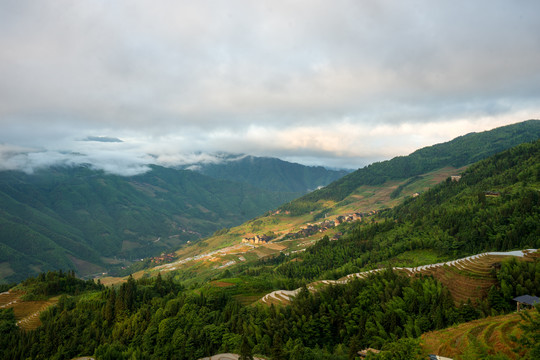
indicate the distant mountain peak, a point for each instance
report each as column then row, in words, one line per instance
column 267, row 173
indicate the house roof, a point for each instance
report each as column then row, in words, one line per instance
column 365, row 352
column 527, row 299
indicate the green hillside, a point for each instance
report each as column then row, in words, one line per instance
column 459, row 152
column 71, row 218
column 494, row 206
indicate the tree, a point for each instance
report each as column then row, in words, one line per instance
column 8, row 328
column 529, row 342
column 277, row 348
column 108, row 311
column 403, row 349
column 245, row 349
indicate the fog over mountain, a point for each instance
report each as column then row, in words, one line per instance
column 339, row 85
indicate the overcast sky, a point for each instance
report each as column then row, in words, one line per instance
column 334, row 83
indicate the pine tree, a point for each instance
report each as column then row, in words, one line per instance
column 277, row 348
column 109, row 311
column 245, row 349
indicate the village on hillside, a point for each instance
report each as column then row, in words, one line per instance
column 312, row 228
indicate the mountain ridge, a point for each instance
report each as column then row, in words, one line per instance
column 458, row 152
column 269, row 173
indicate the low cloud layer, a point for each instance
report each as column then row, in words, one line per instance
column 340, row 84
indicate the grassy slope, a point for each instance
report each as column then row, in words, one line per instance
column 466, row 279
column 26, row 312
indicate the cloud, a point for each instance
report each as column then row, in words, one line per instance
column 124, row 163
column 101, row 139
column 332, row 84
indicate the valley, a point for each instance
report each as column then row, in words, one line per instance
column 382, row 265
column 77, row 218
column 367, row 200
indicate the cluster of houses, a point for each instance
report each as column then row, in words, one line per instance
column 163, row 258
column 311, row 229
column 348, row 218
column 257, row 239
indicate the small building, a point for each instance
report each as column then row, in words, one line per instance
column 455, row 177
column 337, row 236
column 526, row 301
column 257, row 239
column 364, row 353
column 438, row 357
column 357, row 216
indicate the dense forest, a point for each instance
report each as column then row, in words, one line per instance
column 157, row 319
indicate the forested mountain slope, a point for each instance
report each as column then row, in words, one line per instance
column 461, row 151
column 272, row 174
column 160, row 319
column 70, row 218
column 495, row 206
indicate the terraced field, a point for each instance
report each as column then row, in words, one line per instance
column 466, row 278
column 26, row 312
column 9, row 298
column 490, row 335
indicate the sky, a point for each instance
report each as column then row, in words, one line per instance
column 126, row 83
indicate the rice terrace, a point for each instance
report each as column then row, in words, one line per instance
column 26, row 312
column 477, row 338
column 467, row 278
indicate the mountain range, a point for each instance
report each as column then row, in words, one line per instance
column 393, row 277
column 89, row 221
column 270, row 174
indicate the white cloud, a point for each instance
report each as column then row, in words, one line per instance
column 339, row 83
